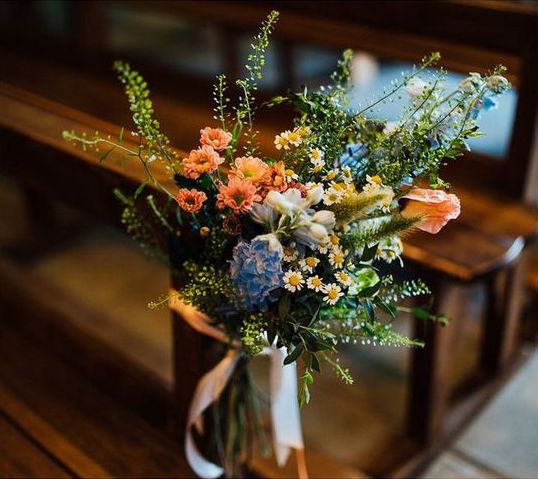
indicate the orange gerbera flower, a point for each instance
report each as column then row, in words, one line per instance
column 215, row 137
column 252, row 169
column 190, row 201
column 200, row 161
column 238, row 195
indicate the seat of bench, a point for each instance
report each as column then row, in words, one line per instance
column 85, row 432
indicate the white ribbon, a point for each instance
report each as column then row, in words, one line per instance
column 285, row 415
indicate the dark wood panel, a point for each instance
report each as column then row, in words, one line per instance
column 21, row 458
column 119, row 442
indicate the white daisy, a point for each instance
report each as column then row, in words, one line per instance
column 331, row 175
column 290, row 253
column 309, row 263
column 337, row 257
column 334, row 240
column 344, row 278
column 332, row 196
column 282, row 141
column 316, row 158
column 347, row 176
column 293, row 281
column 295, row 138
column 315, row 283
column 333, row 293
column 324, row 248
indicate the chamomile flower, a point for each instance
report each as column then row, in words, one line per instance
column 344, row 278
column 375, row 187
column 290, row 253
column 337, row 258
column 324, row 248
column 389, row 249
column 331, row 175
column 295, row 138
column 315, row 283
column 316, row 156
column 293, row 281
column 291, row 175
column 347, row 176
column 334, row 240
column 304, row 131
column 282, row 141
column 333, row 195
column 333, row 293
column 309, row 263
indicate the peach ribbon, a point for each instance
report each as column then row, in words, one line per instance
column 285, row 416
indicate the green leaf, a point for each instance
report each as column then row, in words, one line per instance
column 369, row 253
column 105, row 156
column 139, row 190
column 370, row 291
column 387, row 307
column 290, row 358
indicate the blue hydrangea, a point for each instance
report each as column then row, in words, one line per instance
column 256, row 270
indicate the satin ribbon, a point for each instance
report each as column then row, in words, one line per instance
column 285, row 416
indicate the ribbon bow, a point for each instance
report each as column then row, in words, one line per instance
column 285, row 415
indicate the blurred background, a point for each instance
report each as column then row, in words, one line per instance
column 74, row 287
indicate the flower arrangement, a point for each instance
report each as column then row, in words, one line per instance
column 287, row 249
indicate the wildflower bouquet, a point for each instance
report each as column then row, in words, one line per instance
column 287, row 248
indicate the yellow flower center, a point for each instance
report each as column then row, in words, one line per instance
column 338, row 258
column 334, row 240
column 376, row 179
column 290, row 172
column 316, row 282
column 311, row 261
column 331, row 175
column 332, row 294
column 294, row 280
column 294, row 136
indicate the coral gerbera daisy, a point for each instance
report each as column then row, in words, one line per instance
column 238, row 195
column 215, row 137
column 190, row 201
column 252, row 169
column 200, row 161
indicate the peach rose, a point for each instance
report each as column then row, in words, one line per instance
column 215, row 137
column 200, row 161
column 190, row 201
column 435, row 207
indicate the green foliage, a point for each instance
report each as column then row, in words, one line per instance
column 354, row 207
column 248, row 86
column 140, row 228
column 378, row 231
column 406, row 289
column 137, row 91
column 206, row 287
column 252, row 329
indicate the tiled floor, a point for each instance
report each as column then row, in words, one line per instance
column 503, row 440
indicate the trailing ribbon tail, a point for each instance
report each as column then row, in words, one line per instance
column 285, row 416
column 207, row 391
